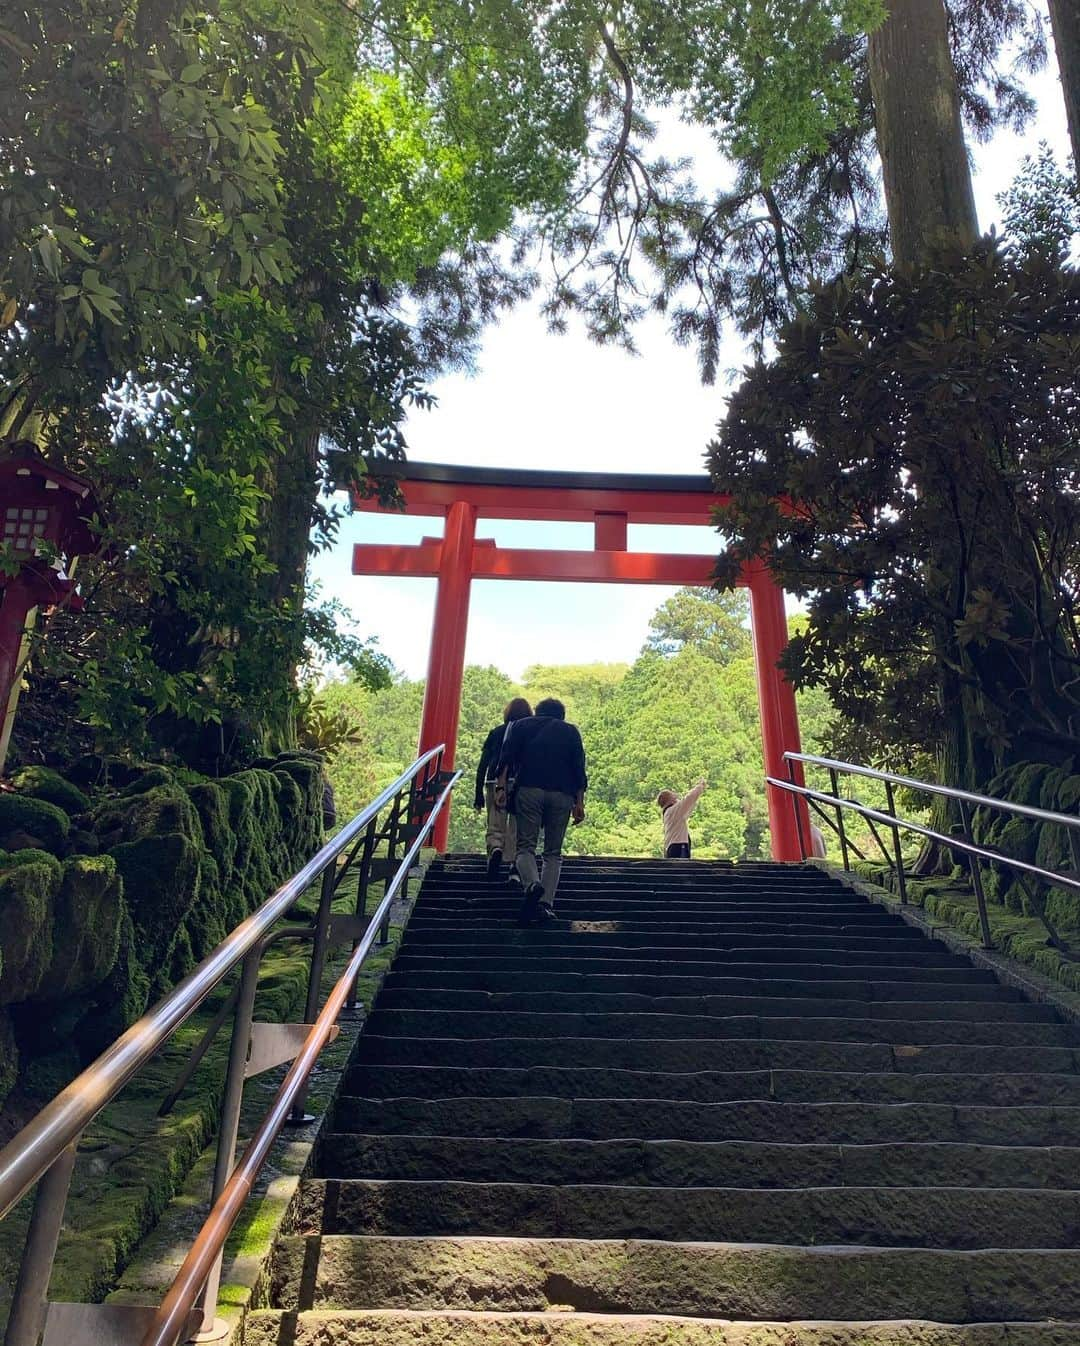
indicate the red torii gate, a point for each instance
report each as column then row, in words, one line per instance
column 610, row 502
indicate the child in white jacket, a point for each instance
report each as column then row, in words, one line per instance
column 675, row 812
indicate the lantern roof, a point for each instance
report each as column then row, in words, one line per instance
column 26, row 476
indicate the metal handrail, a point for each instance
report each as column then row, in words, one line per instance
column 172, row 1316
column 930, row 787
column 30, row 1154
column 966, row 845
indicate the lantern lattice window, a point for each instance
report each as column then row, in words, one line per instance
column 24, row 525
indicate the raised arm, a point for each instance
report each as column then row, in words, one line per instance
column 683, row 807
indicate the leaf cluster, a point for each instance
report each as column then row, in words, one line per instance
column 909, row 464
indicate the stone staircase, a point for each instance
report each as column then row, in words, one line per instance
column 718, row 1106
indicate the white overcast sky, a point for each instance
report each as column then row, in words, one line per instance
column 543, row 401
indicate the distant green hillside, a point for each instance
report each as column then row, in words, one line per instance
column 686, row 708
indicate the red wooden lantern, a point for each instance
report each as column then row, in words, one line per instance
column 43, row 517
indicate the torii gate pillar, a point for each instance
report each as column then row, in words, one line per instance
column 779, row 715
column 446, row 660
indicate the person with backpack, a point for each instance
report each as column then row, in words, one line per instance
column 501, row 835
column 544, row 758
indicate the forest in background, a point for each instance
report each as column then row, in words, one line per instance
column 686, row 708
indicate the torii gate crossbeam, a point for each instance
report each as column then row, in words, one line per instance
column 610, row 502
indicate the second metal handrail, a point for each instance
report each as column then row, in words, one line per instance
column 966, row 845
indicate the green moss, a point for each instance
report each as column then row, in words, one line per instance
column 160, row 876
column 154, row 812
column 26, row 822
column 148, row 778
column 40, row 782
column 45, row 1076
column 29, row 882
column 9, row 1055
column 88, row 912
column 119, row 1000
column 205, row 924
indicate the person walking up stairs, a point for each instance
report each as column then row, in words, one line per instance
column 717, row 1106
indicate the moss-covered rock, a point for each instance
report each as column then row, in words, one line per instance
column 9, row 1056
column 29, row 883
column 157, row 811
column 32, row 823
column 41, row 782
column 147, row 778
column 119, row 1000
column 88, row 911
column 160, row 876
column 157, row 874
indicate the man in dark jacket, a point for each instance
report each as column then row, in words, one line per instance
column 545, row 758
column 501, row 831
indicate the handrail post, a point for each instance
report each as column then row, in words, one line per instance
column 840, row 820
column 362, row 883
column 229, row 1127
column 32, row 1287
column 391, row 846
column 901, row 877
column 976, row 876
column 319, row 945
column 795, row 799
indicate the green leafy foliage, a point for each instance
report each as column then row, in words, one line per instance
column 1042, row 207
column 926, row 424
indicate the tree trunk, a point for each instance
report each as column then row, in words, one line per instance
column 292, row 485
column 1065, row 23
column 921, row 142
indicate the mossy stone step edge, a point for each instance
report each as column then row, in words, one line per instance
column 406, row 997
column 389, row 1327
column 709, row 1086
column 640, row 1276
column 724, row 1054
column 934, row 1217
column 698, row 1163
column 653, row 1119
column 914, row 1031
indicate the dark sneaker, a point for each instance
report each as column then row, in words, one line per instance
column 513, row 878
column 494, row 867
column 546, row 915
column 530, row 908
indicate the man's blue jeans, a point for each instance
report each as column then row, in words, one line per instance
column 536, row 809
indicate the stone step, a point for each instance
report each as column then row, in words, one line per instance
column 933, row 1217
column 705, row 1086
column 406, row 1327
column 646, row 915
column 435, row 1023
column 751, row 1120
column 682, row 1163
column 889, row 940
column 894, row 956
column 702, row 1279
column 736, row 923
column 433, row 997
column 855, row 980
column 482, row 902
column 701, row 1054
